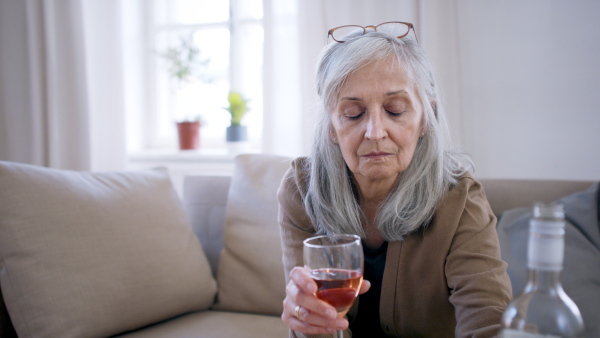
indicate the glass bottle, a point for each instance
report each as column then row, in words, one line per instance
column 543, row 309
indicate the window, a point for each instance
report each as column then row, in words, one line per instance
column 229, row 34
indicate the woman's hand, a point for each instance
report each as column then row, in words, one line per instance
column 314, row 316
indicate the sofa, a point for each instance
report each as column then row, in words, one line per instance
column 122, row 254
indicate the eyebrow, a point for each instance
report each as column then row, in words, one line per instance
column 401, row 91
column 351, row 98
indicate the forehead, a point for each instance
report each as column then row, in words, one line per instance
column 380, row 75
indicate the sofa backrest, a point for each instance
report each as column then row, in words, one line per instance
column 236, row 221
column 205, row 199
column 506, row 194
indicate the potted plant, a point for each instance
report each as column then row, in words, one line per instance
column 184, row 66
column 238, row 107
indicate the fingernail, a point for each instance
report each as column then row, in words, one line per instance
column 330, row 314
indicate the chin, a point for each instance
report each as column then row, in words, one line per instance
column 381, row 174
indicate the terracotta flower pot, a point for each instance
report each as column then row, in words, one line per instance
column 189, row 135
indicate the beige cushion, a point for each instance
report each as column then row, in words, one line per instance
column 216, row 324
column 94, row 254
column 250, row 274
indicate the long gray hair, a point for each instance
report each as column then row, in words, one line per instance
column 331, row 200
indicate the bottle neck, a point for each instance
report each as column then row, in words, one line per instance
column 543, row 280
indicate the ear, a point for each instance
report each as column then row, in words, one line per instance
column 332, row 136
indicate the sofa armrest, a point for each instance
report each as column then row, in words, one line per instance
column 205, row 198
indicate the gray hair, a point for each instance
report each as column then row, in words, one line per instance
column 331, row 200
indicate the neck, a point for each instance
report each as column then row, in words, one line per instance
column 373, row 193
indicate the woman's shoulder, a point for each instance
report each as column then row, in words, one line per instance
column 300, row 164
column 466, row 191
column 466, row 195
column 291, row 194
column 295, row 181
column 465, row 183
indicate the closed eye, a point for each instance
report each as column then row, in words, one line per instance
column 355, row 117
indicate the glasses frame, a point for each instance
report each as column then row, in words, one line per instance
column 364, row 28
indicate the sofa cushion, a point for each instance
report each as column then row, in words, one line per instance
column 250, row 274
column 95, row 254
column 581, row 272
column 205, row 198
column 215, row 324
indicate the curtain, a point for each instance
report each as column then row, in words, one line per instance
column 60, row 90
column 282, row 113
column 295, row 33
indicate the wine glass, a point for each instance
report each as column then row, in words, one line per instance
column 336, row 264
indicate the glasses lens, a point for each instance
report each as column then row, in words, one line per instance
column 344, row 33
column 395, row 29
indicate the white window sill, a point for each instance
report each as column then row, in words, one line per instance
column 181, row 163
column 182, row 156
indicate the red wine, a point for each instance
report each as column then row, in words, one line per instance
column 337, row 287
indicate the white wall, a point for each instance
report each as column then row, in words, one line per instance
column 521, row 78
column 522, row 83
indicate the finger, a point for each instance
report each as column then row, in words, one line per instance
column 310, row 322
column 301, row 276
column 309, row 303
column 304, row 327
column 312, row 311
column 364, row 287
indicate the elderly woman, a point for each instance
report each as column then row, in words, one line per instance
column 381, row 168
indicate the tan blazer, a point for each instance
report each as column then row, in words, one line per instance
column 446, row 281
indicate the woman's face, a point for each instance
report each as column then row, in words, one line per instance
column 377, row 122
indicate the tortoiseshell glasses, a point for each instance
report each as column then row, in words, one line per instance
column 395, row 28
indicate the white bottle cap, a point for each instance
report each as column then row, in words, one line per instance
column 546, row 238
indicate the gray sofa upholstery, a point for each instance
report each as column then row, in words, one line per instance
column 580, row 276
column 235, row 221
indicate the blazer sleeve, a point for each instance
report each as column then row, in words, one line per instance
column 479, row 286
column 295, row 226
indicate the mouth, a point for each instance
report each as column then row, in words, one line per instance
column 376, row 155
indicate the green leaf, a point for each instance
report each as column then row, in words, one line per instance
column 237, row 107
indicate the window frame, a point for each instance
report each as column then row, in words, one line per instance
column 151, row 121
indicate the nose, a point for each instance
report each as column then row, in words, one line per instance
column 375, row 127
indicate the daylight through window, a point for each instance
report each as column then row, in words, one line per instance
column 225, row 39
